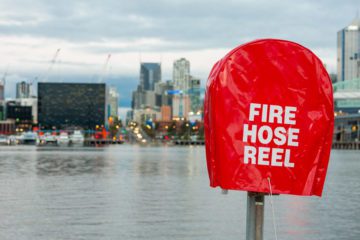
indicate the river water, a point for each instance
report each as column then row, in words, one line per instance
column 133, row 192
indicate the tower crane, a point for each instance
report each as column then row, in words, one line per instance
column 104, row 69
column 52, row 63
column 3, row 79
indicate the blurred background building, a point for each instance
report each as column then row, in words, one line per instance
column 113, row 102
column 22, row 90
column 348, row 51
column 181, row 74
column 72, row 105
column 347, row 86
column 164, row 101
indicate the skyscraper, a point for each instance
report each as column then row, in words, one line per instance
column 22, row 90
column 150, row 73
column 181, row 74
column 195, row 95
column 348, row 51
column 2, row 87
column 113, row 101
column 144, row 98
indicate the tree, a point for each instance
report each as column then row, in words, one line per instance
column 171, row 131
column 115, row 126
column 185, row 130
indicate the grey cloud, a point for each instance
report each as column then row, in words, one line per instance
column 194, row 24
column 59, row 62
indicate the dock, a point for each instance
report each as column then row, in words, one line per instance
column 346, row 145
column 189, row 142
column 93, row 142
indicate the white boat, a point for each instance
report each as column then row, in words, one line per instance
column 13, row 140
column 77, row 138
column 49, row 139
column 4, row 140
column 29, row 138
column 63, row 139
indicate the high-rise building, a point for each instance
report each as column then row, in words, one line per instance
column 129, row 116
column 113, row 101
column 348, row 51
column 2, row 87
column 195, row 95
column 137, row 98
column 181, row 74
column 150, row 73
column 72, row 105
column 144, row 96
column 144, row 99
column 162, row 96
column 22, row 90
column 181, row 79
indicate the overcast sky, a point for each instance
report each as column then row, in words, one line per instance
column 201, row 31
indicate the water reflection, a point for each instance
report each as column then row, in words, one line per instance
column 164, row 161
column 69, row 164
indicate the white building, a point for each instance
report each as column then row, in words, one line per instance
column 181, row 106
column 348, row 51
column 113, row 101
column 181, row 74
column 22, row 90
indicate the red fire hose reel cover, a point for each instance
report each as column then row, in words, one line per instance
column 269, row 116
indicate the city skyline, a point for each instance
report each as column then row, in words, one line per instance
column 86, row 32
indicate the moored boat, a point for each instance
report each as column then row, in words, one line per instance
column 49, row 139
column 63, row 139
column 4, row 140
column 29, row 138
column 77, row 138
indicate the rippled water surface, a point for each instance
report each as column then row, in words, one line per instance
column 132, row 192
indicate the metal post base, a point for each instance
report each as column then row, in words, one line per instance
column 255, row 216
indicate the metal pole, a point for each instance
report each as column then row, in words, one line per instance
column 255, row 216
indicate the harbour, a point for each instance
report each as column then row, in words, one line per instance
column 168, row 120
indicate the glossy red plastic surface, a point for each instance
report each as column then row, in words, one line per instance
column 289, row 79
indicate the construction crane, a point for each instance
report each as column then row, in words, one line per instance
column 3, row 79
column 104, row 69
column 52, row 63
